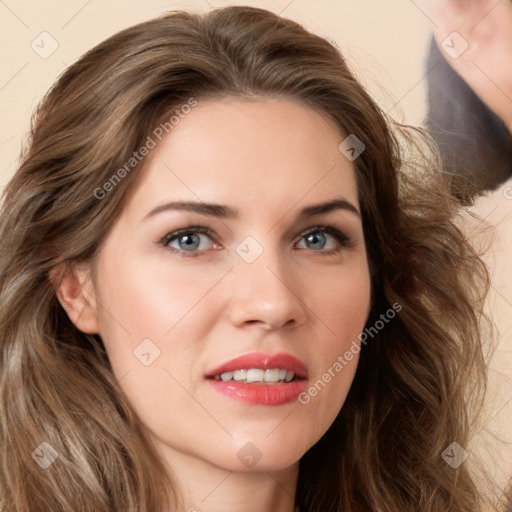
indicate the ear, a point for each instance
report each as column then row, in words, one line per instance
column 75, row 292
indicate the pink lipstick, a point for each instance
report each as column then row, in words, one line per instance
column 260, row 378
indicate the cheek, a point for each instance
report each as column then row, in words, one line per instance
column 170, row 305
column 151, row 298
column 343, row 305
column 154, row 320
column 346, row 306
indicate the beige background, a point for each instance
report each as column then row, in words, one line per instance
column 385, row 43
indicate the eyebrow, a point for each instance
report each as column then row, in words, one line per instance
column 226, row 212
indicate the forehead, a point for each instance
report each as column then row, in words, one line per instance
column 264, row 154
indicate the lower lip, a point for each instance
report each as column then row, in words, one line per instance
column 264, row 394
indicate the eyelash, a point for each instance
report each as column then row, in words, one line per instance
column 344, row 241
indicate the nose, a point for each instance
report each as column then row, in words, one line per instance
column 266, row 294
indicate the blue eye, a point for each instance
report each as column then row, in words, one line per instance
column 187, row 240
column 319, row 236
column 190, row 241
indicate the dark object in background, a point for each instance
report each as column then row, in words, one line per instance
column 475, row 144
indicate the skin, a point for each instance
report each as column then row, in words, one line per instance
column 268, row 158
column 486, row 25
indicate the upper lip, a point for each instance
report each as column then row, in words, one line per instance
column 264, row 362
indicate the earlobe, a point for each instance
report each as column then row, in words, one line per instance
column 75, row 292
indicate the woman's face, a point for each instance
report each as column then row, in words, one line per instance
column 176, row 292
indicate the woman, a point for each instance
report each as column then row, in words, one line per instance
column 224, row 286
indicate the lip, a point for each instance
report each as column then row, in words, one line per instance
column 263, row 362
column 263, row 394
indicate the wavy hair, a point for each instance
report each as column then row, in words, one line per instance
column 418, row 382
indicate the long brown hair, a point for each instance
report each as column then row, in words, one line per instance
column 418, row 380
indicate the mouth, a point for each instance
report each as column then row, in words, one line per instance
column 260, row 379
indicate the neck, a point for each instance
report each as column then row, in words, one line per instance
column 205, row 487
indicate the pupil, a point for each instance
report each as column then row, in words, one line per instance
column 314, row 238
column 189, row 242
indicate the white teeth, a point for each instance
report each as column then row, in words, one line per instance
column 240, row 374
column 254, row 375
column 274, row 375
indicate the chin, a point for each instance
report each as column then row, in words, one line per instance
column 269, row 464
column 260, row 454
